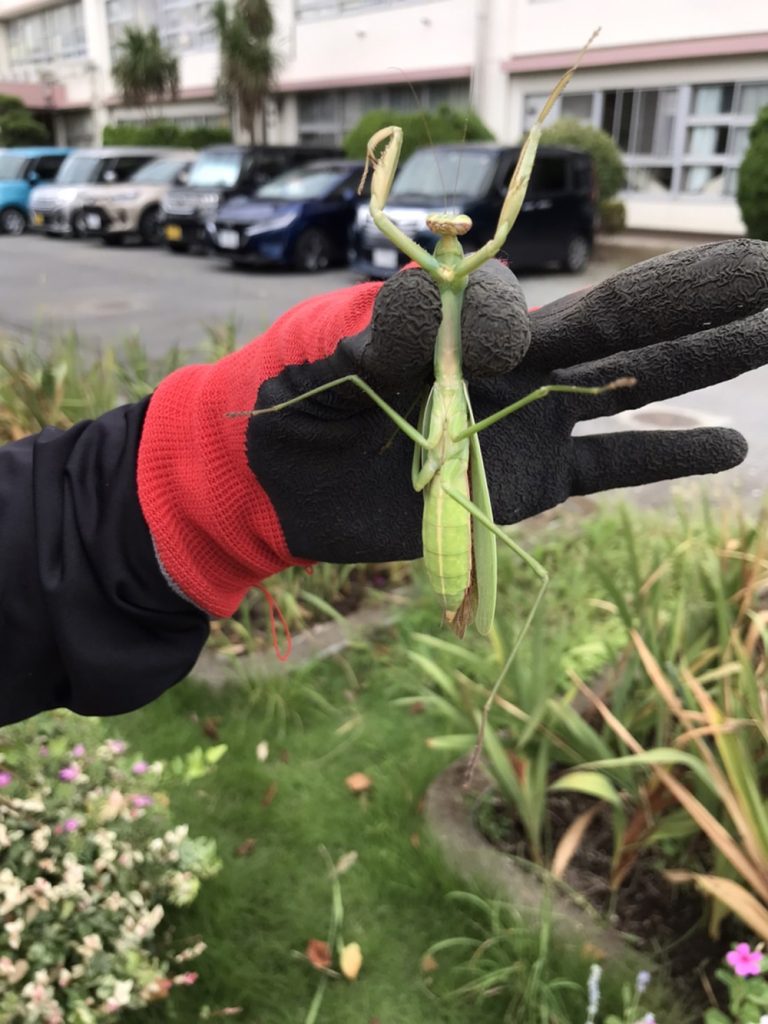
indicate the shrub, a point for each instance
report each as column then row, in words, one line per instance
column 613, row 215
column 163, row 133
column 90, row 858
column 752, row 192
column 609, row 169
column 18, row 126
column 419, row 129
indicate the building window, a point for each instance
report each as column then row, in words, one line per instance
column 326, row 117
column 307, row 9
column 182, row 25
column 55, row 34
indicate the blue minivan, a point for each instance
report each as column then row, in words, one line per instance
column 21, row 168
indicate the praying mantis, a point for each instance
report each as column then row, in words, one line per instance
column 459, row 534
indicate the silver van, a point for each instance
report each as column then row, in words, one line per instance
column 57, row 209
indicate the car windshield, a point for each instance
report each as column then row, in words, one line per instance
column 11, row 166
column 159, row 172
column 460, row 172
column 301, row 183
column 78, row 169
column 216, row 170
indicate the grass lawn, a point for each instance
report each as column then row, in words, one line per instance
column 324, row 722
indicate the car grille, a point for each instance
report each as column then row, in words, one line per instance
column 180, row 204
column 44, row 203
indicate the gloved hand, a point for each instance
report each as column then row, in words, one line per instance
column 229, row 501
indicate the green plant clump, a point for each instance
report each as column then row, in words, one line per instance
column 419, row 129
column 18, row 126
column 164, row 133
column 609, row 168
column 752, row 192
column 91, row 860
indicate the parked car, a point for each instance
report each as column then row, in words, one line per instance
column 555, row 225
column 302, row 218
column 21, row 170
column 115, row 211
column 57, row 209
column 219, row 173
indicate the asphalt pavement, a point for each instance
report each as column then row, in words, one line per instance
column 50, row 286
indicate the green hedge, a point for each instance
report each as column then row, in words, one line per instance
column 419, row 129
column 753, row 179
column 609, row 168
column 163, row 133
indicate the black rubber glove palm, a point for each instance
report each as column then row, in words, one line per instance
column 338, row 471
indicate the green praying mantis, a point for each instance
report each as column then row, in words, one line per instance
column 458, row 530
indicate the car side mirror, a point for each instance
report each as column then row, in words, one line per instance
column 109, row 177
column 182, row 177
column 33, row 177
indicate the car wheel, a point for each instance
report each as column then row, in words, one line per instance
column 12, row 221
column 149, row 226
column 312, row 251
column 178, row 246
column 112, row 240
column 576, row 254
column 79, row 226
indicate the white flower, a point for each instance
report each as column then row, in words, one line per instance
column 91, row 944
column 14, row 930
column 4, row 838
column 121, row 994
column 39, row 838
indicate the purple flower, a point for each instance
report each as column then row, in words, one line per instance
column 70, row 773
column 5, row 778
column 71, row 825
column 141, row 800
column 139, row 767
column 744, row 960
column 117, row 746
column 642, row 981
column 78, row 750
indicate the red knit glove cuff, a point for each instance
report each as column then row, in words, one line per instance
column 214, row 528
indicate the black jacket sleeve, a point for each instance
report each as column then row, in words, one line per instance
column 87, row 620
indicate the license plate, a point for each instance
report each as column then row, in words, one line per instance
column 38, row 218
column 173, row 232
column 386, row 258
column 93, row 221
column 228, row 239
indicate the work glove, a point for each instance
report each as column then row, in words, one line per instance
column 232, row 499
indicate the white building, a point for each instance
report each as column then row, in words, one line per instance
column 677, row 85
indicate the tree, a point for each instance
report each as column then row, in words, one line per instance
column 419, row 129
column 248, row 61
column 144, row 69
column 18, row 126
column 752, row 192
column 609, row 167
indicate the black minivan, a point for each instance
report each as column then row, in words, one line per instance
column 556, row 223
column 219, row 173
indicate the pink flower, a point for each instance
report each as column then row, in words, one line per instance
column 78, row 750
column 139, row 767
column 117, row 746
column 745, row 961
column 141, row 800
column 70, row 773
column 187, row 978
column 5, row 778
column 71, row 825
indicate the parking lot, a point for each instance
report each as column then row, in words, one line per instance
column 50, row 286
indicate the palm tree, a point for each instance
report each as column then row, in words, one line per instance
column 248, row 61
column 144, row 69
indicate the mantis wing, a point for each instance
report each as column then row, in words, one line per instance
column 484, row 557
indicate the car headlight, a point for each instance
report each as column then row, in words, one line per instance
column 273, row 224
column 208, row 200
column 362, row 215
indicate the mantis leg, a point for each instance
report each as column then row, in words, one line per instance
column 351, row 378
column 543, row 576
column 521, row 175
column 542, row 392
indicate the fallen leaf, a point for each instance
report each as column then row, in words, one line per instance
column 210, row 727
column 345, row 862
column 319, row 954
column 351, row 960
column 262, row 751
column 428, row 963
column 358, row 782
column 270, row 795
column 591, row 952
column 417, row 708
column 415, row 840
column 246, row 847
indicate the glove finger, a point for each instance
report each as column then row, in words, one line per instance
column 663, row 298
column 669, row 368
column 495, row 327
column 604, row 461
